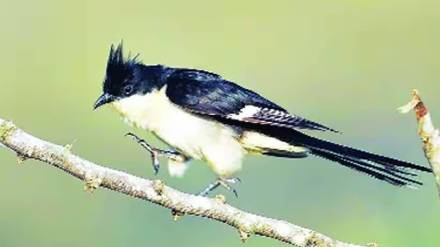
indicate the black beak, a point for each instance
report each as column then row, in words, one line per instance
column 102, row 100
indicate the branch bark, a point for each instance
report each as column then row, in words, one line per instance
column 27, row 146
column 427, row 132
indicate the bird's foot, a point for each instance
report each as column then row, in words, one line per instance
column 156, row 153
column 225, row 182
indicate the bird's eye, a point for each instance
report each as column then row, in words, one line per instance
column 128, row 89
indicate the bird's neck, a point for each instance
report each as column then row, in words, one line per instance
column 157, row 74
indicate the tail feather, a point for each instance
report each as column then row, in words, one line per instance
column 391, row 163
column 374, row 171
column 391, row 170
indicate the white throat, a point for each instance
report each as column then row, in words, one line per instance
column 143, row 111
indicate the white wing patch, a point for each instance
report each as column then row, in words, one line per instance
column 251, row 111
column 246, row 112
column 275, row 117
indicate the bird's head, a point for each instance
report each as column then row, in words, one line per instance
column 125, row 77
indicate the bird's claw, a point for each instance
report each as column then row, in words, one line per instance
column 156, row 163
column 155, row 152
column 224, row 182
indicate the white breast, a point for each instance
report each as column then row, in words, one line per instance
column 196, row 137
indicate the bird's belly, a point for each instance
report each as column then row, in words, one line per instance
column 194, row 136
column 202, row 139
column 188, row 134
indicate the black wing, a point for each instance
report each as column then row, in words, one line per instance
column 208, row 94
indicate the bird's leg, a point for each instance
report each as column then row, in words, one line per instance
column 225, row 182
column 156, row 153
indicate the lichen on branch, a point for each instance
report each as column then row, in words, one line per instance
column 427, row 132
column 94, row 176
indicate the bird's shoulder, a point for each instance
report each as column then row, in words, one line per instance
column 208, row 94
column 199, row 86
column 194, row 75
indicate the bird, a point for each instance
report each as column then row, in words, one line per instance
column 202, row 116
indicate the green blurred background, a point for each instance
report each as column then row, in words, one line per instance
column 347, row 64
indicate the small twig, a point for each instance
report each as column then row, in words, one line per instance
column 156, row 192
column 429, row 135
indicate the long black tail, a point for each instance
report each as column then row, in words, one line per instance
column 383, row 168
column 391, row 170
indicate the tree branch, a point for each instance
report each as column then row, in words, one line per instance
column 427, row 132
column 26, row 146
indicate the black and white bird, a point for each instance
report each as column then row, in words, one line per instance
column 205, row 117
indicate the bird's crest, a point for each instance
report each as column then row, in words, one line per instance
column 119, row 69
